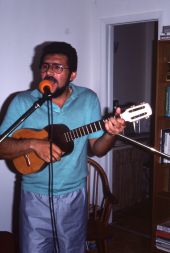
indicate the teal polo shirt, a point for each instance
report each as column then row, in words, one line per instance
column 81, row 108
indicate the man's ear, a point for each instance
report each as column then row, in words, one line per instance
column 73, row 76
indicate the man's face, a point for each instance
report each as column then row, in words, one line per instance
column 55, row 68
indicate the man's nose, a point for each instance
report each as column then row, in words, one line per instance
column 50, row 69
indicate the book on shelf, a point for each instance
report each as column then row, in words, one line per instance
column 167, row 102
column 165, row 36
column 163, row 243
column 165, row 144
column 165, row 226
column 162, row 248
column 162, row 234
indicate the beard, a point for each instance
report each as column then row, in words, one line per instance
column 59, row 91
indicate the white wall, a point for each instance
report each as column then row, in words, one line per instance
column 25, row 24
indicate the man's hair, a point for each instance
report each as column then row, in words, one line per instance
column 61, row 48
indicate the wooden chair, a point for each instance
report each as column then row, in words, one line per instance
column 101, row 201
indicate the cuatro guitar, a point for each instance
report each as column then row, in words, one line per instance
column 63, row 137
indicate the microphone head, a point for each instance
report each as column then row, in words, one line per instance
column 45, row 86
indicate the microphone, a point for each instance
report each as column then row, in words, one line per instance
column 45, row 87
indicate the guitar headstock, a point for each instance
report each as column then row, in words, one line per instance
column 137, row 112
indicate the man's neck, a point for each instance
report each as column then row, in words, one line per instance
column 63, row 97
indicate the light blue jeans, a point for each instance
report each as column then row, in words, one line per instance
column 36, row 233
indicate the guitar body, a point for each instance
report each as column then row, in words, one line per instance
column 31, row 163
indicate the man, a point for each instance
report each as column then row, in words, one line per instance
column 62, row 217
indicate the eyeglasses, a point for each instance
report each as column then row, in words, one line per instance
column 57, row 68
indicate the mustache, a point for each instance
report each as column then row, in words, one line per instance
column 50, row 78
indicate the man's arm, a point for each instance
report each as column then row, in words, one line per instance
column 11, row 148
column 102, row 145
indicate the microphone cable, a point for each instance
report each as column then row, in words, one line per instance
column 51, row 177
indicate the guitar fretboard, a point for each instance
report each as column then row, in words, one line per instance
column 84, row 130
column 132, row 114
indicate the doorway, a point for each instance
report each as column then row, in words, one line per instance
column 134, row 66
column 133, row 79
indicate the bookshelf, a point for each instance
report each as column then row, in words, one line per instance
column 161, row 172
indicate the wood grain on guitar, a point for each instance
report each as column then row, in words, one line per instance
column 63, row 137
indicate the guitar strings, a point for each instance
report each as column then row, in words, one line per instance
column 51, row 200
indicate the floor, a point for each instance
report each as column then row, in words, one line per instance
column 132, row 230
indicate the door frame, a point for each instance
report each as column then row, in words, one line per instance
column 107, row 39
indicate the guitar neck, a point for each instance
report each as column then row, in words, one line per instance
column 84, row 130
column 135, row 113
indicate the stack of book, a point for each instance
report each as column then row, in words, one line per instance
column 165, row 36
column 163, row 236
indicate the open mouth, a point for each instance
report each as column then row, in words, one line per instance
column 50, row 78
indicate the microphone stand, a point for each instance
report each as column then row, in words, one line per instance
column 36, row 105
column 155, row 151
